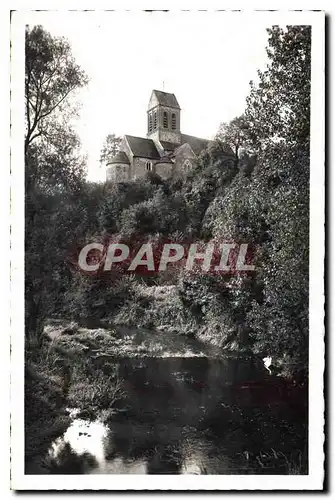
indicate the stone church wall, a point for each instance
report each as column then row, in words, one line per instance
column 164, row 170
column 184, row 156
column 140, row 168
column 118, row 172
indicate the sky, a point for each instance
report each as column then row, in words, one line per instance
column 206, row 59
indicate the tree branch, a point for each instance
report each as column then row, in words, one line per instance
column 57, row 103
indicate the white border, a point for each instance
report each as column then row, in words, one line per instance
column 314, row 480
column 4, row 254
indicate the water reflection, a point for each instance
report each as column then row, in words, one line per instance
column 82, row 439
column 188, row 416
column 82, row 449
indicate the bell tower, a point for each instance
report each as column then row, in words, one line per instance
column 164, row 118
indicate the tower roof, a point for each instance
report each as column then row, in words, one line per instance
column 164, row 98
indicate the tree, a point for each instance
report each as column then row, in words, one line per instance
column 54, row 169
column 54, row 162
column 109, row 149
column 270, row 208
column 278, row 107
column 52, row 154
column 278, row 110
column 236, row 134
column 51, row 76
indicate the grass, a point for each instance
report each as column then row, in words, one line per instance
column 157, row 307
column 96, row 393
column 45, row 415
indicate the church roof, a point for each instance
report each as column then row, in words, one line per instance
column 166, row 99
column 197, row 144
column 120, row 157
column 145, row 148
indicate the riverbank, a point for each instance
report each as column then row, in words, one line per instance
column 192, row 309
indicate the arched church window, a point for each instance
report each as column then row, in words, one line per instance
column 148, row 166
column 155, row 120
column 174, row 121
column 150, row 122
column 165, row 120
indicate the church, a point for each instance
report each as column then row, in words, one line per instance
column 165, row 151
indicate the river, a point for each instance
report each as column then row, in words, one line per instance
column 189, row 415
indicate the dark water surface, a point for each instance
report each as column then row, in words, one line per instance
column 191, row 415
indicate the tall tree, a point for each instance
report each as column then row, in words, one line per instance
column 278, row 107
column 54, row 166
column 270, row 208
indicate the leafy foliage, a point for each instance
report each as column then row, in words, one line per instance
column 278, row 107
column 235, row 133
column 51, row 76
